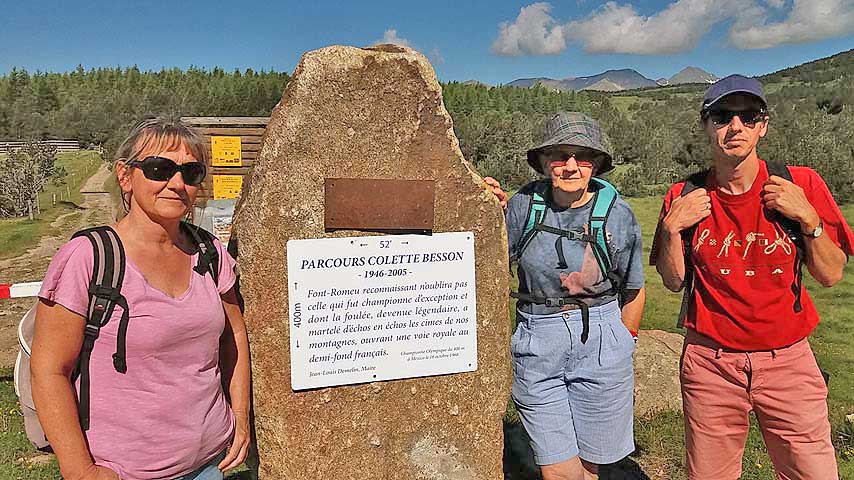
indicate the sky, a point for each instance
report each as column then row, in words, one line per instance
column 491, row 41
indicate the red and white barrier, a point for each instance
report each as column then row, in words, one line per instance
column 19, row 290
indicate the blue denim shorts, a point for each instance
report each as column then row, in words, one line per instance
column 575, row 399
column 207, row 471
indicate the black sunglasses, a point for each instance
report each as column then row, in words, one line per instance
column 583, row 156
column 162, row 169
column 748, row 117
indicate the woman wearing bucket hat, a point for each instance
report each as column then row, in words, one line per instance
column 581, row 295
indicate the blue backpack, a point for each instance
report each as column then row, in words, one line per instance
column 603, row 201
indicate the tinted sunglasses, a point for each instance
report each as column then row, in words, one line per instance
column 558, row 159
column 162, row 169
column 748, row 117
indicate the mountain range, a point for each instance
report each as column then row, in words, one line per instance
column 616, row 80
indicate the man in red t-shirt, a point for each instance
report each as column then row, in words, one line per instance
column 748, row 316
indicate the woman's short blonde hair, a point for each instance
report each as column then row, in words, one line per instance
column 162, row 134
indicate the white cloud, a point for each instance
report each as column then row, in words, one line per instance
column 390, row 36
column 534, row 32
column 619, row 28
column 678, row 28
column 808, row 21
column 436, row 57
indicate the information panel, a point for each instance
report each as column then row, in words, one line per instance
column 226, row 152
column 226, row 186
column 365, row 309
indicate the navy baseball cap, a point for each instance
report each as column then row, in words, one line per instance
column 733, row 84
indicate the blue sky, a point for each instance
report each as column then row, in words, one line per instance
column 491, row 41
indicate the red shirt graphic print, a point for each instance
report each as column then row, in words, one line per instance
column 745, row 266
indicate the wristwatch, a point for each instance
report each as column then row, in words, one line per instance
column 817, row 231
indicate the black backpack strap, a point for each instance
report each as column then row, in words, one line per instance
column 208, row 261
column 693, row 182
column 792, row 229
column 557, row 302
column 104, row 294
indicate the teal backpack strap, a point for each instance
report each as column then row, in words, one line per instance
column 536, row 213
column 604, row 200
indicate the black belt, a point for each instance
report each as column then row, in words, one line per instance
column 562, row 303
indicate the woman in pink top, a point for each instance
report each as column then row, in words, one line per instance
column 181, row 409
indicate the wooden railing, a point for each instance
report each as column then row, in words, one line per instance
column 61, row 145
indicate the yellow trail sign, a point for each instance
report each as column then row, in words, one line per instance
column 226, row 152
column 226, row 186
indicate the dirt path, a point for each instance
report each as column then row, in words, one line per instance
column 97, row 208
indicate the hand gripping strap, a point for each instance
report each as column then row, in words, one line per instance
column 695, row 181
column 793, row 230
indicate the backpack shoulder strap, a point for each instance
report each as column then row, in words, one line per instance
column 537, row 205
column 603, row 201
column 208, row 261
column 779, row 169
column 792, row 229
column 693, row 182
column 104, row 294
column 536, row 210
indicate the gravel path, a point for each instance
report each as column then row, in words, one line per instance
column 96, row 209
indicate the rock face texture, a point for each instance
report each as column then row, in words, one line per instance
column 374, row 113
column 657, row 372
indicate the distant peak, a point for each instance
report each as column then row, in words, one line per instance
column 692, row 75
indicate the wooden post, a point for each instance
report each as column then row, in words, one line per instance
column 68, row 192
column 30, row 208
column 54, row 199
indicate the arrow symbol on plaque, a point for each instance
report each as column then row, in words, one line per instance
column 297, row 343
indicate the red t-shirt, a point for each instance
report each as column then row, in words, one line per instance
column 744, row 266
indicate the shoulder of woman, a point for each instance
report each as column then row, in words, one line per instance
column 67, row 278
column 76, row 251
column 622, row 208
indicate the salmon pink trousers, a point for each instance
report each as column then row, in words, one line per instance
column 783, row 387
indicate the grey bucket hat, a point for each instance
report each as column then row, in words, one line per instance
column 575, row 129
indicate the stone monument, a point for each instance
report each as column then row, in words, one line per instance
column 369, row 114
column 657, row 386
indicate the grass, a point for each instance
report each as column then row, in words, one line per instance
column 15, row 450
column 17, row 234
column 660, row 438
